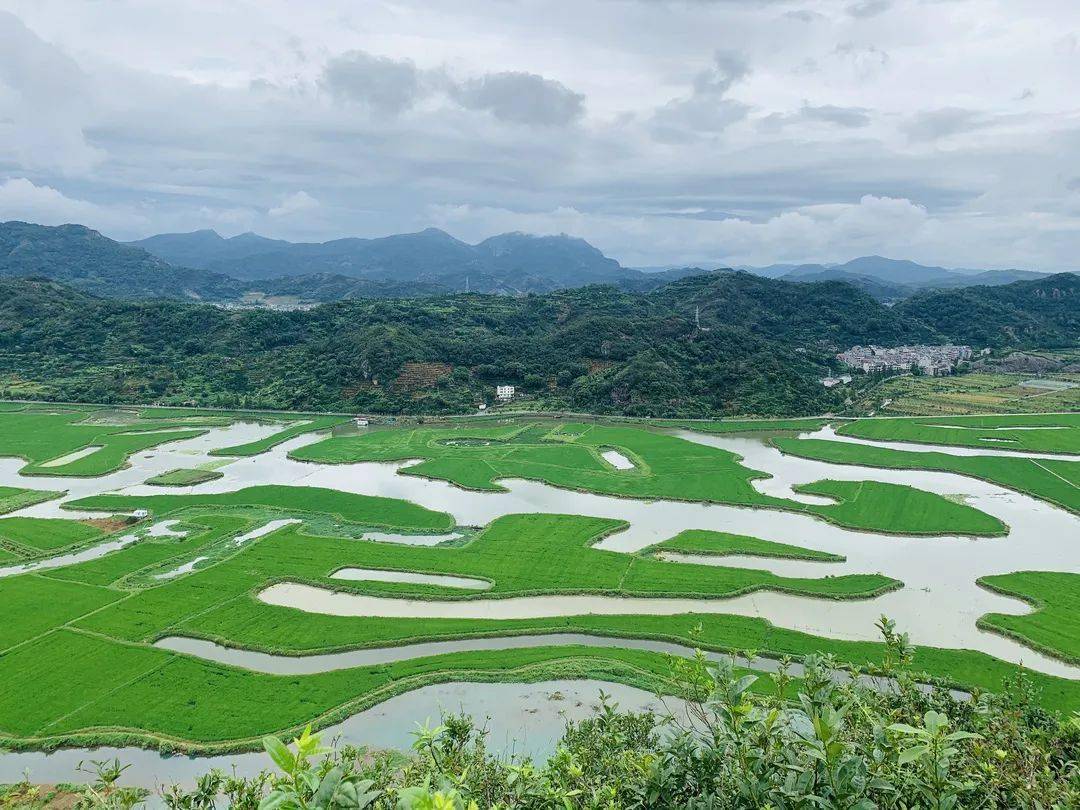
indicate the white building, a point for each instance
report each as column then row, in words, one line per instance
column 504, row 392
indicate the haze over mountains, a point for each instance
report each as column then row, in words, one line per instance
column 205, row 266
column 508, row 263
column 517, row 262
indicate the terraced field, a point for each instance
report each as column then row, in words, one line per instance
column 396, row 538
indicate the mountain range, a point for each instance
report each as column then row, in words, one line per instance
column 508, row 263
column 252, row 269
column 892, row 279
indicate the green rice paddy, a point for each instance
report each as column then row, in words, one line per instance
column 720, row 544
column 32, row 536
column 1054, row 626
column 569, row 455
column 45, row 437
column 1040, row 433
column 77, row 661
column 307, row 425
column 15, row 498
column 183, row 478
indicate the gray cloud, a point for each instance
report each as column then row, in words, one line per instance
column 445, row 112
column 706, row 111
column 932, row 125
column 47, row 102
column 522, row 98
column 869, row 8
column 385, row 85
column 843, row 117
column 851, row 117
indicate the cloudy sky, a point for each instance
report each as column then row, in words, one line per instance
column 714, row 131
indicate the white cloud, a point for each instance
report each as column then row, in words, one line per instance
column 45, row 102
column 294, row 204
column 20, row 199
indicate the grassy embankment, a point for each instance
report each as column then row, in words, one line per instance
column 309, row 425
column 1054, row 626
column 723, row 544
column 749, row 425
column 666, row 467
column 1057, row 482
column 1038, row 433
column 40, row 435
column 183, row 477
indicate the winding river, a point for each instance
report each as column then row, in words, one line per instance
column 938, row 605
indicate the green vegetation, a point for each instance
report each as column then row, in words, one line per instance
column 184, row 477
column 899, row 509
column 568, row 455
column 1054, row 625
column 31, row 536
column 364, row 509
column 1057, row 482
column 41, row 435
column 77, row 663
column 741, row 741
column 977, row 392
column 262, row 445
column 751, row 425
column 763, row 350
column 1041, row 433
column 701, row 541
column 14, row 498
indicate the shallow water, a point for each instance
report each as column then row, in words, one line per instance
column 939, row 604
column 70, row 457
column 186, row 568
column 74, row 558
column 828, row 433
column 617, row 460
column 523, row 719
column 379, row 575
column 412, row 539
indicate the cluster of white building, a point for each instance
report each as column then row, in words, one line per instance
column 932, row 360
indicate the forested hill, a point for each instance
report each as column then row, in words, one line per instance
column 83, row 258
column 1043, row 313
column 761, row 347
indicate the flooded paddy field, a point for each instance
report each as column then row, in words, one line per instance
column 938, row 599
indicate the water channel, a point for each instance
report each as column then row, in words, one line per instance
column 938, row 605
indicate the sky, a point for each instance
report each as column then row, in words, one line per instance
column 713, row 132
